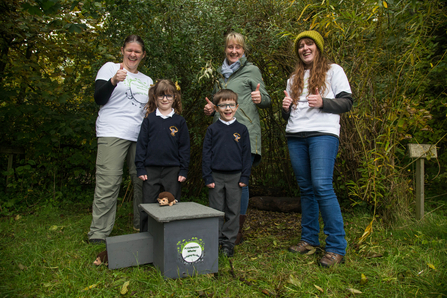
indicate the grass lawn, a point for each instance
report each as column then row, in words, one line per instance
column 45, row 254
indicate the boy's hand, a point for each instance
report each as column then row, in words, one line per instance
column 143, row 177
column 181, row 179
column 211, row 185
column 242, row 184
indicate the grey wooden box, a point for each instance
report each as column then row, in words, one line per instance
column 129, row 250
column 186, row 238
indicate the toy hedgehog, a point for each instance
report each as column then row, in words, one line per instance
column 101, row 258
column 166, row 199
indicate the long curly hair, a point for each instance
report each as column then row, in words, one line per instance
column 164, row 87
column 317, row 75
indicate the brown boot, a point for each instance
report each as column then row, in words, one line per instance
column 330, row 259
column 240, row 235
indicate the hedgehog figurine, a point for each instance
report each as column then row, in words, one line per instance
column 166, row 199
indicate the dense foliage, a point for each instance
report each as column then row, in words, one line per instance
column 394, row 53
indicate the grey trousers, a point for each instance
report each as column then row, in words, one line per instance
column 226, row 197
column 112, row 152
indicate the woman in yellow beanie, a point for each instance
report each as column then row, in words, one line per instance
column 317, row 93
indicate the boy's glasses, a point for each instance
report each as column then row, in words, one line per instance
column 168, row 97
column 229, row 105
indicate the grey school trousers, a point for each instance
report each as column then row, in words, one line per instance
column 226, row 197
column 112, row 152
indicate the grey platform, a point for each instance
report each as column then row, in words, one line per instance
column 129, row 250
column 182, row 241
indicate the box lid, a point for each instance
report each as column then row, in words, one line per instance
column 179, row 211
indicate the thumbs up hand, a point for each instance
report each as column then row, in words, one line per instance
column 286, row 102
column 315, row 100
column 209, row 107
column 256, row 95
column 119, row 76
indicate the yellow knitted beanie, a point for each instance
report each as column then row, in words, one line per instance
column 314, row 35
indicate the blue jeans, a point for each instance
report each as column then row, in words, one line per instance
column 246, row 194
column 313, row 160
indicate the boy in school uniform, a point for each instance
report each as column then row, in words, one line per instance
column 226, row 165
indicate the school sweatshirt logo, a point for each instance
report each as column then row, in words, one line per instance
column 237, row 137
column 174, row 130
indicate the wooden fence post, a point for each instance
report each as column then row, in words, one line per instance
column 10, row 151
column 421, row 152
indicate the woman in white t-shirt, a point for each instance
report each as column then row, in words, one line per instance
column 122, row 92
column 317, row 93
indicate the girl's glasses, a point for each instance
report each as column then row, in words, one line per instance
column 168, row 97
column 229, row 105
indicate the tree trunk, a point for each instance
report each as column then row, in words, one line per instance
column 278, row 204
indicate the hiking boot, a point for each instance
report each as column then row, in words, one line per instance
column 330, row 259
column 302, row 247
column 96, row 241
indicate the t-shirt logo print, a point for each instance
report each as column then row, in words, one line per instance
column 174, row 130
column 137, row 92
column 237, row 137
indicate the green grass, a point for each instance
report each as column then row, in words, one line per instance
column 45, row 254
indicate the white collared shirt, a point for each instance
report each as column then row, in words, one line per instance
column 228, row 122
column 158, row 113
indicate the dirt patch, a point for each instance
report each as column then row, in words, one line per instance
column 265, row 223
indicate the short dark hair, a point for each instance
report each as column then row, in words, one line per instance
column 224, row 94
column 134, row 38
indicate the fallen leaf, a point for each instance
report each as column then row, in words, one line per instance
column 364, row 279
column 431, row 266
column 311, row 249
column 354, row 291
column 319, row 289
column 374, row 255
column 17, row 217
column 294, row 281
column 53, row 228
column 90, row 287
column 385, row 4
column 21, row 267
column 267, row 292
column 366, row 233
column 124, row 288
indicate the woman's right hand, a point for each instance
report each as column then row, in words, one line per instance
column 286, row 102
column 209, row 107
column 119, row 76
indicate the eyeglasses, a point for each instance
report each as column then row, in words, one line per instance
column 229, row 105
column 168, row 97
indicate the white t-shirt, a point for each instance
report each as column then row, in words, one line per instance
column 122, row 115
column 304, row 118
